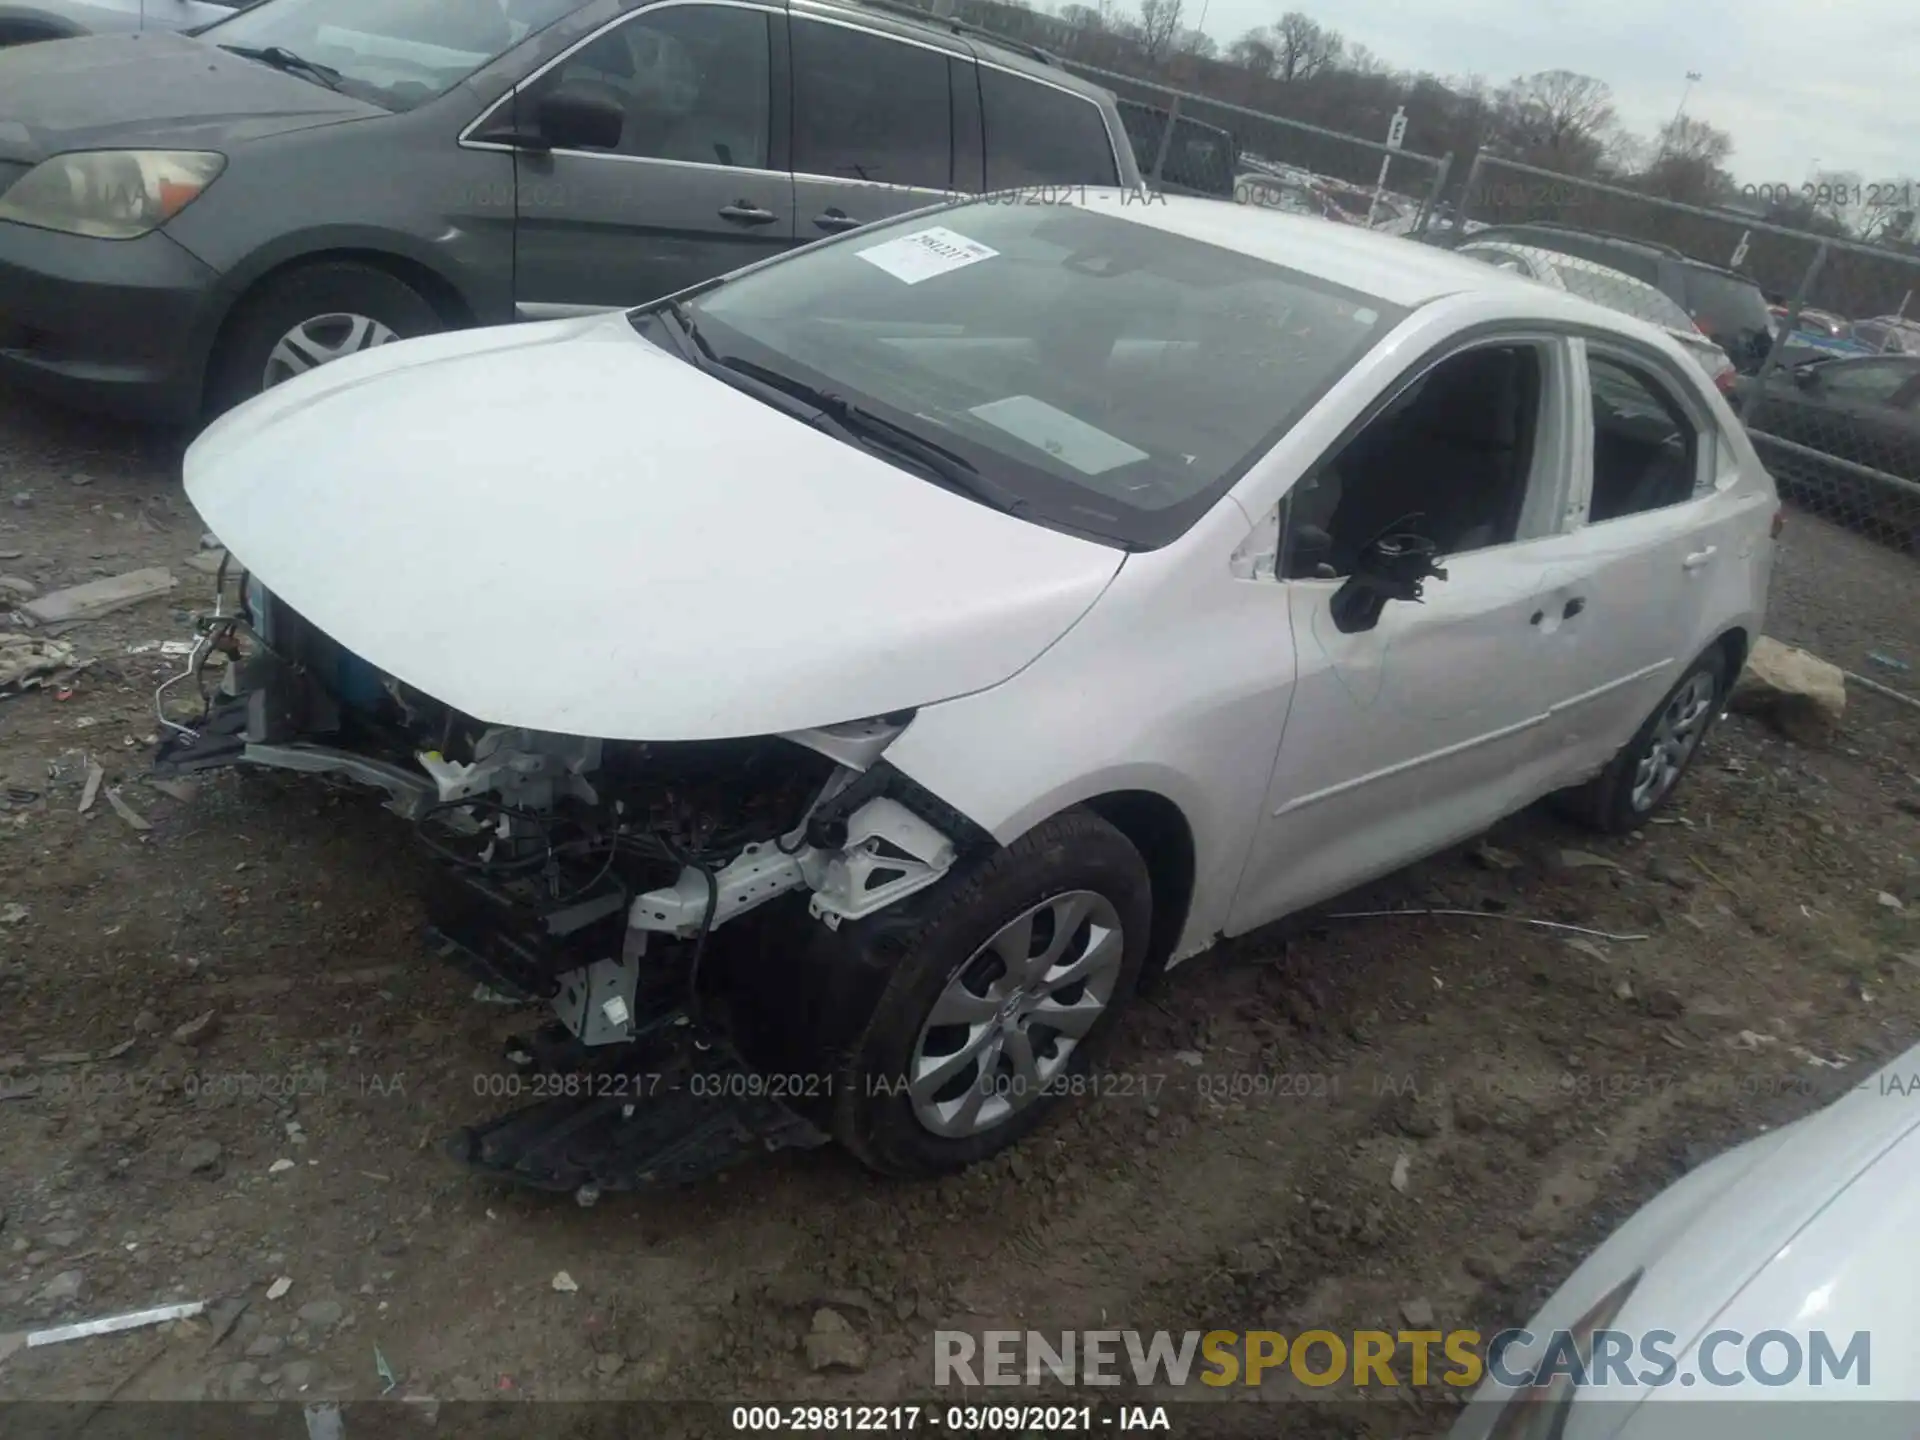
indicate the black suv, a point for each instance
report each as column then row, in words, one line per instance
column 1729, row 308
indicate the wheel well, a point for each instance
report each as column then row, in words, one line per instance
column 1165, row 841
column 438, row 292
column 1734, row 644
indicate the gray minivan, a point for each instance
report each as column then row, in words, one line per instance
column 186, row 220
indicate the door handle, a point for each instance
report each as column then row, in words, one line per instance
column 836, row 220
column 1574, row 607
column 743, row 212
column 1700, row 557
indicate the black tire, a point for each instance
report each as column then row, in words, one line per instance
column 1074, row 851
column 329, row 288
column 1608, row 802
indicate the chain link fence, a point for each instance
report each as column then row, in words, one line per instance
column 1816, row 326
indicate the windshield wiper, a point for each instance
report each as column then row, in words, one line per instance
column 949, row 467
column 283, row 59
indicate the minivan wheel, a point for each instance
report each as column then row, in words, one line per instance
column 309, row 317
column 1644, row 774
column 1009, row 979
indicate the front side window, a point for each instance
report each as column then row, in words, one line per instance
column 1113, row 378
column 1041, row 135
column 869, row 108
column 1872, row 384
column 1645, row 449
column 395, row 53
column 1449, row 458
column 691, row 80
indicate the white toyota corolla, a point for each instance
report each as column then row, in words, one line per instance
column 871, row 663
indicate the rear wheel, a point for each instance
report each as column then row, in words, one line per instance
column 1644, row 774
column 1010, row 978
column 310, row 317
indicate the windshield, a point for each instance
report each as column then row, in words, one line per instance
column 395, row 53
column 1625, row 294
column 1115, row 378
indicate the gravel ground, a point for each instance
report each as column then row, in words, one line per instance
column 1237, row 1174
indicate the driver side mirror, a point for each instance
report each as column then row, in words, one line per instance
column 1391, row 567
column 570, row 119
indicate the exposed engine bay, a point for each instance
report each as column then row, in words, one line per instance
column 597, row 877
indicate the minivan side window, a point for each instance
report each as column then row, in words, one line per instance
column 1645, row 450
column 693, row 80
column 866, row 107
column 1039, row 134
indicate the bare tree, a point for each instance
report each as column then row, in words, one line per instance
column 1303, row 47
column 1255, row 51
column 1556, row 117
column 1362, row 61
column 1196, row 43
column 1866, row 209
column 1159, row 24
column 1083, row 17
column 1690, row 163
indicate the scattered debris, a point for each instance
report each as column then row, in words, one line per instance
column 1821, row 1062
column 1418, row 1312
column 1667, row 873
column 323, row 1416
column 1402, row 1172
column 111, row 1324
column 13, row 914
column 1492, row 857
column 1586, row 860
column 185, row 791
column 91, row 791
column 1482, row 915
column 279, row 1287
column 833, row 1344
column 207, row 562
column 170, row 649
column 197, row 1030
column 1624, row 990
column 63, row 1287
column 1875, row 657
column 1588, row 949
column 1891, row 902
column 1192, row 1058
column 1753, row 1040
column 322, row 1314
column 279, row 1166
column 125, row 811
column 565, row 1283
column 201, row 1156
column 224, row 1317
column 385, row 1371
column 1800, row 695
column 99, row 597
column 28, row 662
column 18, row 589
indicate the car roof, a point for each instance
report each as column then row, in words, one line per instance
column 1627, row 242
column 955, row 36
column 1399, row 271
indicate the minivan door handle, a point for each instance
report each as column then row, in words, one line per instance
column 1700, row 557
column 743, row 212
column 836, row 220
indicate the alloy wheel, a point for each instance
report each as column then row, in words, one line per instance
column 323, row 338
column 1675, row 734
column 1010, row 1019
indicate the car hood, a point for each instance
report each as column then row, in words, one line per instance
column 563, row 527
column 150, row 91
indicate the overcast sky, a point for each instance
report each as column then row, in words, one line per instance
column 1791, row 80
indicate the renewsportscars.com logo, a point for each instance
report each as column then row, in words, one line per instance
column 1514, row 1359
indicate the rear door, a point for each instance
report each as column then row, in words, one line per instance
column 697, row 183
column 875, row 123
column 1664, row 520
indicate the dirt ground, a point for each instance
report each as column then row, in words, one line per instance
column 1539, row 1085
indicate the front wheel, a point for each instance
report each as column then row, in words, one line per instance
column 1010, row 976
column 1644, row 774
column 308, row 318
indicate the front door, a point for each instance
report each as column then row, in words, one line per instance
column 694, row 187
column 1424, row 729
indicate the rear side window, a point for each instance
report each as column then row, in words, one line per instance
column 869, row 108
column 1039, row 135
column 1645, row 449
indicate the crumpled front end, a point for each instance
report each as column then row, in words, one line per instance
column 654, row 896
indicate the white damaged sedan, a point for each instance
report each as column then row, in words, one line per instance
column 836, row 686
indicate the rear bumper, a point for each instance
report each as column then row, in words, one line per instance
column 105, row 325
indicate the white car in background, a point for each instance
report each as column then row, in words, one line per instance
column 1614, row 289
column 1808, row 1229
column 878, row 657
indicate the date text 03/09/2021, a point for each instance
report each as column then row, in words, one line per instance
column 891, row 1420
column 741, row 1085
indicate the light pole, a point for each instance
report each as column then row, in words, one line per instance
column 1693, row 78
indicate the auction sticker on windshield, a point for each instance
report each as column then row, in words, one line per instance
column 925, row 254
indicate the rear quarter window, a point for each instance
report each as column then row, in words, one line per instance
column 1041, row 135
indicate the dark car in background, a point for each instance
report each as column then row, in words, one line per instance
column 1201, row 158
column 1730, row 309
column 185, row 221
column 23, row 22
column 1865, row 410
column 1888, row 335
